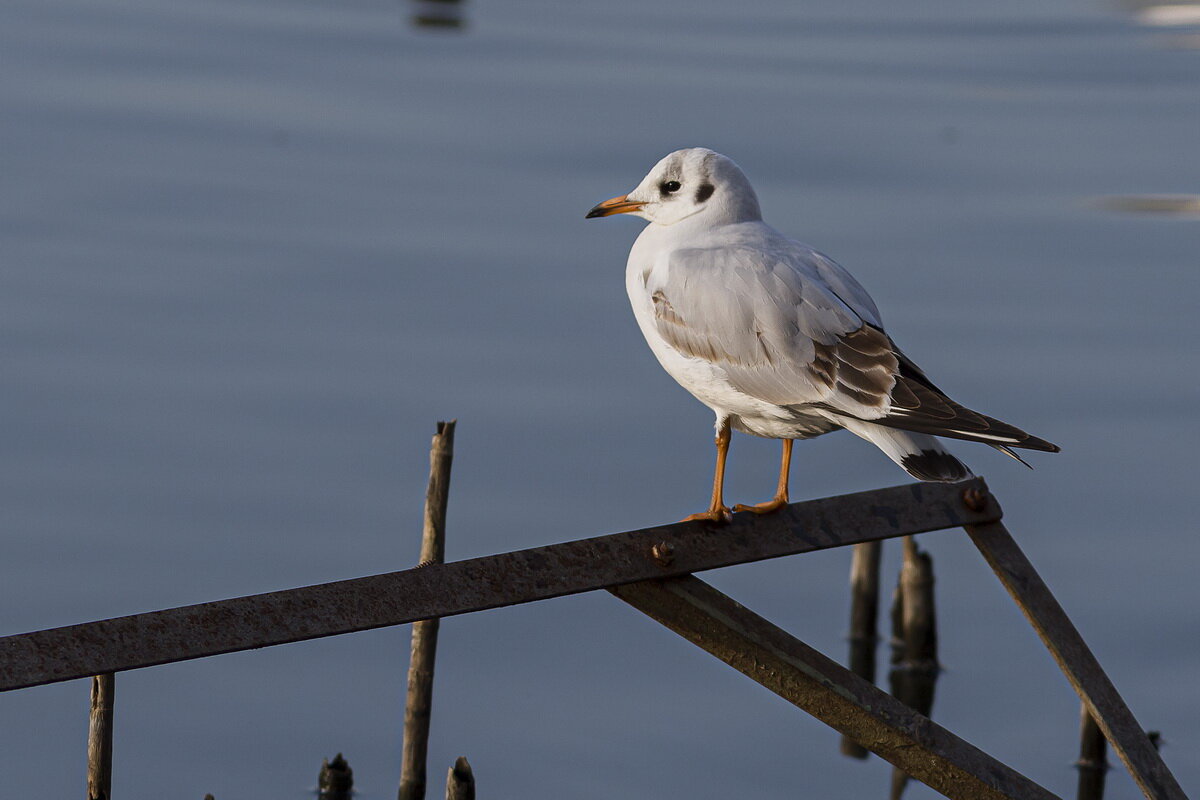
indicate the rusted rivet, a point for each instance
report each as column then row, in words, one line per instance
column 975, row 500
column 663, row 553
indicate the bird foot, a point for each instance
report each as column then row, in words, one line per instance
column 763, row 508
column 720, row 515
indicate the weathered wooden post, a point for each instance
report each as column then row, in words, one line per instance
column 914, row 641
column 460, row 781
column 100, row 738
column 419, row 702
column 864, row 615
column 1092, row 763
column 335, row 781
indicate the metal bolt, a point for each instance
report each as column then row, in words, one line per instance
column 663, row 553
column 975, row 499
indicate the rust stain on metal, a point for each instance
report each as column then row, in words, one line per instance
column 975, row 499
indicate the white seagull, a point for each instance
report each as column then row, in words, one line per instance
column 777, row 339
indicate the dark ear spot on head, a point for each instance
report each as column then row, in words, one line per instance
column 704, row 192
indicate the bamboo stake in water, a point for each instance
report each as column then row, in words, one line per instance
column 418, row 705
column 864, row 614
column 100, row 738
column 914, row 631
column 1092, row 763
column 460, row 781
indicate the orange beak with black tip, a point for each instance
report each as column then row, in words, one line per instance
column 617, row 205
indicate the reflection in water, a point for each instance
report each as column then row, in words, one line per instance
column 1176, row 14
column 1169, row 14
column 1156, row 12
column 1185, row 205
column 443, row 14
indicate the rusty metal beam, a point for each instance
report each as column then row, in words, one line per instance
column 831, row 693
column 1076, row 661
column 442, row 590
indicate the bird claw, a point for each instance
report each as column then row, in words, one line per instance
column 721, row 515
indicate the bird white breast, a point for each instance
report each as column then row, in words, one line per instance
column 707, row 382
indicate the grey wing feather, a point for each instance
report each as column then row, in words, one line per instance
column 785, row 324
column 791, row 327
column 843, row 284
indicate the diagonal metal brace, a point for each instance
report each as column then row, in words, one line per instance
column 831, row 693
column 1075, row 659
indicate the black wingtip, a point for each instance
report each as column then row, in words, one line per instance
column 1034, row 443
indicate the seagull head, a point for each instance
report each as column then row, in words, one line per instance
column 692, row 183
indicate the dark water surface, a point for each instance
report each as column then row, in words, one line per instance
column 253, row 251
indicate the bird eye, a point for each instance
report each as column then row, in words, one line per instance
column 670, row 187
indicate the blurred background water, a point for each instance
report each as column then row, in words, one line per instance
column 252, row 251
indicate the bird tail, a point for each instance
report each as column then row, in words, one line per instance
column 918, row 405
column 918, row 454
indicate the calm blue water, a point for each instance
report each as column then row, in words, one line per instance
column 253, row 251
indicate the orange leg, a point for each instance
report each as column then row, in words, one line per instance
column 781, row 491
column 717, row 510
